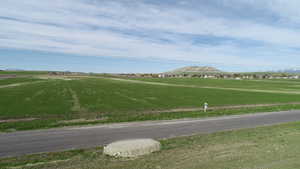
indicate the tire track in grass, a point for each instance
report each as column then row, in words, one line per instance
column 20, row 84
column 207, row 87
column 131, row 98
column 17, row 120
column 76, row 104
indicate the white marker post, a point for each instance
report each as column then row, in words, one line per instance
column 205, row 106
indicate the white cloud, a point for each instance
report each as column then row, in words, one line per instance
column 106, row 28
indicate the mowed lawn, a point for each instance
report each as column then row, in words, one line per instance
column 274, row 147
column 53, row 102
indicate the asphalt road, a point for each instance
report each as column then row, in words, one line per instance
column 29, row 142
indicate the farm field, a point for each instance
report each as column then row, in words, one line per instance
column 57, row 102
column 17, row 80
column 273, row 147
column 23, row 72
column 277, row 85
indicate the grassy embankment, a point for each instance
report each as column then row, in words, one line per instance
column 273, row 147
column 57, row 103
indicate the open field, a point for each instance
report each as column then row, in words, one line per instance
column 280, row 85
column 17, row 80
column 57, row 102
column 273, row 147
column 23, row 72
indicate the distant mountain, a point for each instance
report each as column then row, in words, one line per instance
column 294, row 71
column 11, row 69
column 195, row 70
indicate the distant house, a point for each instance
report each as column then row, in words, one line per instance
column 161, row 75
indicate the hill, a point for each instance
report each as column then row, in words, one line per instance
column 195, row 70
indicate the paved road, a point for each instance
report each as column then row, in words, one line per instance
column 29, row 142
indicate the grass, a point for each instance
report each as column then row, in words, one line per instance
column 23, row 72
column 17, row 80
column 35, row 100
column 51, row 122
column 115, row 96
column 273, row 147
column 229, row 83
column 103, row 100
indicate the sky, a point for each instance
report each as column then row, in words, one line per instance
column 116, row 36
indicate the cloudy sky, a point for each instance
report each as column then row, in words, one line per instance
column 149, row 35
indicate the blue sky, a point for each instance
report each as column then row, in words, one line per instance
column 149, row 35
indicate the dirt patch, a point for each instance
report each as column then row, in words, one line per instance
column 7, row 76
column 17, row 120
column 54, row 77
column 81, row 121
column 39, row 163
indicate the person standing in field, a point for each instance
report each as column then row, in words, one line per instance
column 205, row 106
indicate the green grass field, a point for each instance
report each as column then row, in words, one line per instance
column 17, row 80
column 23, row 72
column 58, row 102
column 274, row 147
column 280, row 85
